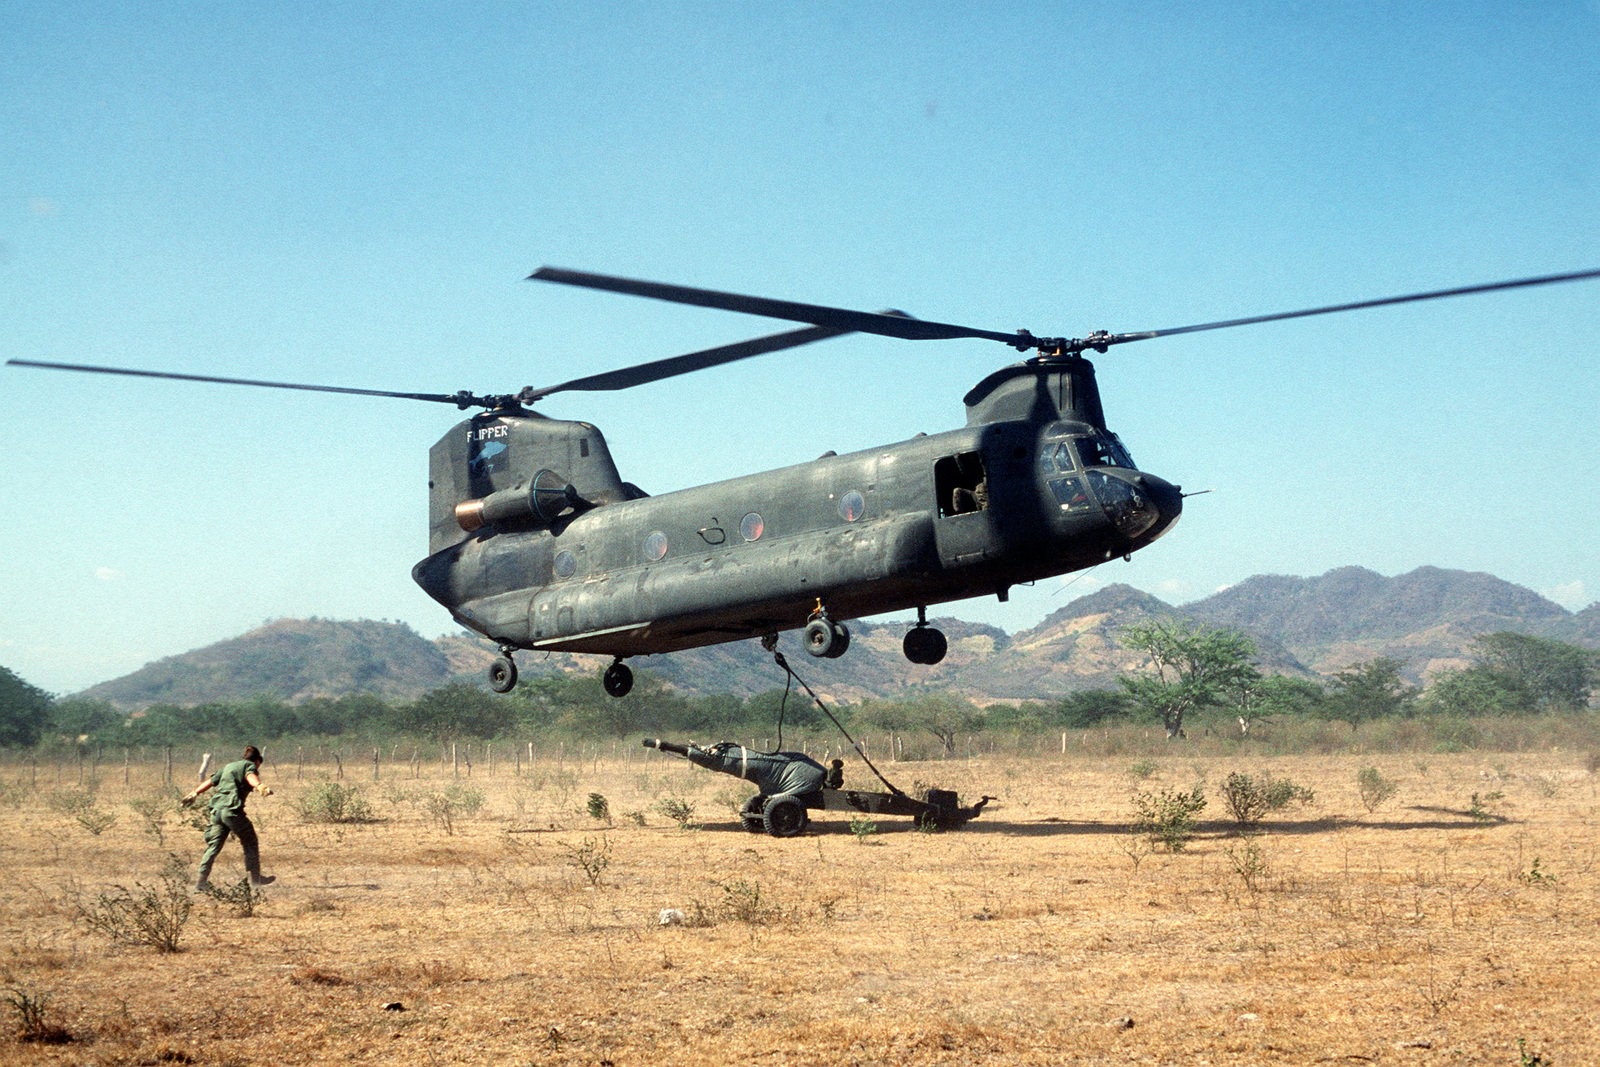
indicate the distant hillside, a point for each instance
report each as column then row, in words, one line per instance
column 1302, row 627
column 1427, row 618
column 292, row 660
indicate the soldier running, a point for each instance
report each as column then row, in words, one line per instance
column 231, row 786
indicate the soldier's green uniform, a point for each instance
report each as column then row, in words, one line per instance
column 229, row 788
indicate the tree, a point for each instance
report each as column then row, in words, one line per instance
column 1195, row 666
column 85, row 719
column 1470, row 691
column 944, row 715
column 457, row 710
column 23, row 709
column 1371, row 690
column 1544, row 675
column 1272, row 696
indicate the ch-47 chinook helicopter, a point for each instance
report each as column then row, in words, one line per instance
column 536, row 542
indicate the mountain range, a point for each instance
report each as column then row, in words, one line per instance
column 1307, row 627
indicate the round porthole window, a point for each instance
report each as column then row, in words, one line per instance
column 655, row 546
column 566, row 564
column 852, row 506
column 752, row 526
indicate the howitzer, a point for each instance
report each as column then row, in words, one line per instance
column 793, row 784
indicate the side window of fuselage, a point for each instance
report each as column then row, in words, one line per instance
column 961, row 484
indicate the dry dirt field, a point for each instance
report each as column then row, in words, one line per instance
column 1425, row 932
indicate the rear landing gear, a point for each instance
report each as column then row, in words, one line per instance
column 924, row 644
column 618, row 679
column 503, row 673
column 825, row 638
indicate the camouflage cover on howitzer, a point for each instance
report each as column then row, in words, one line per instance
column 773, row 773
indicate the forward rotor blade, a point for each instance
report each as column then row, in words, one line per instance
column 840, row 319
column 1464, row 290
column 440, row 398
column 656, row 370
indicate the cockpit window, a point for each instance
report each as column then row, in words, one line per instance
column 1103, row 450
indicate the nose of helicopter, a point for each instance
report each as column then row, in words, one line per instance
column 1141, row 506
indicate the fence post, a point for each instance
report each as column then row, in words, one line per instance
column 455, row 766
column 374, row 764
column 168, row 768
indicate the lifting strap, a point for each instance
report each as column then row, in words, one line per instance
column 778, row 658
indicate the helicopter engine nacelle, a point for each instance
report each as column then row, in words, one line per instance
column 499, row 471
column 543, row 499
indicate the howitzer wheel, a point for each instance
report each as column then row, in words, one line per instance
column 785, row 817
column 750, row 816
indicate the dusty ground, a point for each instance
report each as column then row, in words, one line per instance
column 1043, row 933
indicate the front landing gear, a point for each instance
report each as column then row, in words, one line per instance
column 618, row 679
column 924, row 644
column 503, row 672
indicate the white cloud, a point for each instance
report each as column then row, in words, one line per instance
column 108, row 574
column 1570, row 595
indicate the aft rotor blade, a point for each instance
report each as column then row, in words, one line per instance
column 841, row 319
column 656, row 370
column 440, row 398
column 1464, row 290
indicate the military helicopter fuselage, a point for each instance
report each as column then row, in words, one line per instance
column 537, row 543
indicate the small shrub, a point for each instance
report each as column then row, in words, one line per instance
column 144, row 915
column 678, row 810
column 69, row 801
column 590, row 856
column 334, row 803
column 1375, row 789
column 1249, row 862
column 241, row 896
column 864, row 828
column 33, row 1022
column 1536, row 876
column 1143, row 769
column 1481, row 805
column 453, row 802
column 1250, row 799
column 743, row 902
column 599, row 808
column 1167, row 818
column 153, row 809
column 95, row 820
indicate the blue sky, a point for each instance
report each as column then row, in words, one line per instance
column 351, row 194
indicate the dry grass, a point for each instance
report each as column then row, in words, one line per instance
column 1418, row 935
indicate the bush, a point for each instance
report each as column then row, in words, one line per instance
column 1168, row 817
column 1250, row 799
column 332, row 802
column 678, row 810
column 144, row 915
column 452, row 803
column 1375, row 789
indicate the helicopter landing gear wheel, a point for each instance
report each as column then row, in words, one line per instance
column 925, row 645
column 785, row 817
column 503, row 675
column 618, row 679
column 826, row 639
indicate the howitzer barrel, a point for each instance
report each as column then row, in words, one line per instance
column 666, row 746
